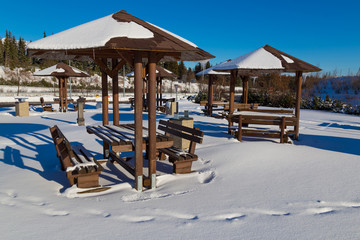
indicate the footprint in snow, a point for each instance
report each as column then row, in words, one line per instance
column 135, row 219
column 319, row 211
column 55, row 213
column 340, row 204
column 100, row 213
column 206, row 177
column 230, row 217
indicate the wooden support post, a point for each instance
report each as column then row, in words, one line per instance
column 282, row 129
column 65, row 94
column 152, row 118
column 245, row 89
column 210, row 94
column 232, row 91
column 161, row 101
column 138, row 92
column 232, row 94
column 298, row 103
column 105, row 95
column 115, row 83
column 239, row 137
column 60, row 94
column 158, row 92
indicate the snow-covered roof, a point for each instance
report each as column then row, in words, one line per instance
column 267, row 58
column 111, row 34
column 61, row 70
column 210, row 71
column 160, row 72
column 92, row 35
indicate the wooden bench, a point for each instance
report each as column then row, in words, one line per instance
column 245, row 128
column 182, row 160
column 81, row 167
column 242, row 106
column 46, row 107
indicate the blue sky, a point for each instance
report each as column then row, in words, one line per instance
column 323, row 33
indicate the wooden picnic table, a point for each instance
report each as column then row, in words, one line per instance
column 121, row 138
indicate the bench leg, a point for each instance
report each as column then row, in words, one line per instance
column 88, row 181
column 181, row 167
column 106, row 150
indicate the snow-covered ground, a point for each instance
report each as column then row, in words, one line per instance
column 255, row 189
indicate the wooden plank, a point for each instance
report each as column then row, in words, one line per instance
column 180, row 134
column 108, row 133
column 92, row 130
column 182, row 128
column 122, row 163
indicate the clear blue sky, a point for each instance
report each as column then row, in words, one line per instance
column 323, row 33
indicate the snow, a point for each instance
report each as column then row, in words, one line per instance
column 288, row 60
column 48, row 71
column 92, row 34
column 210, row 71
column 176, row 36
column 55, row 69
column 255, row 189
column 257, row 59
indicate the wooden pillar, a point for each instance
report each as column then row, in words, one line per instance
column 232, row 91
column 60, row 94
column 157, row 92
column 152, row 118
column 65, row 94
column 105, row 95
column 161, row 101
column 210, row 94
column 298, row 102
column 245, row 89
column 115, row 83
column 138, row 92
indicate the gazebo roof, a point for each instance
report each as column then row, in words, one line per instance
column 107, row 36
column 160, row 72
column 210, row 71
column 61, row 70
column 266, row 59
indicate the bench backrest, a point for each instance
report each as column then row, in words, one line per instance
column 62, row 146
column 262, row 120
column 194, row 135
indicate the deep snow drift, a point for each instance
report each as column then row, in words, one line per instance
column 255, row 189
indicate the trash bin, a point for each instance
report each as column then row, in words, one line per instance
column 21, row 107
column 171, row 108
column 186, row 122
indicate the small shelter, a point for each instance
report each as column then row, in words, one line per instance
column 161, row 73
column 122, row 38
column 211, row 73
column 265, row 60
column 62, row 72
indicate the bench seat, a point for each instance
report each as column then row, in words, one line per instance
column 81, row 167
column 182, row 160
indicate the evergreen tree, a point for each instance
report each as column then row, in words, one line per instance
column 172, row 66
column 1, row 52
column 181, row 69
column 7, row 48
column 13, row 54
column 22, row 58
column 208, row 65
column 197, row 68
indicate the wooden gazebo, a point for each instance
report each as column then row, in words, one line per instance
column 62, row 72
column 265, row 60
column 211, row 74
column 122, row 38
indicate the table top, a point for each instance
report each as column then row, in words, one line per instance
column 124, row 134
